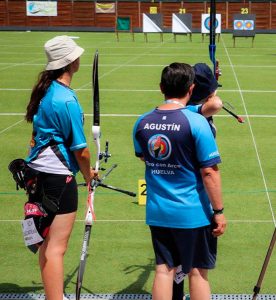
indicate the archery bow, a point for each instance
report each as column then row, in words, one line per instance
column 212, row 53
column 90, row 216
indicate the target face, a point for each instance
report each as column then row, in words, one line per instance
column 205, row 23
column 243, row 24
column 248, row 25
column 238, row 24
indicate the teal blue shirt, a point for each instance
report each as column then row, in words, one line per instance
column 58, row 124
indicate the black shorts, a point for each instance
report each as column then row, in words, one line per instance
column 191, row 248
column 57, row 193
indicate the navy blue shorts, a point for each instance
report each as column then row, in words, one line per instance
column 191, row 248
column 57, row 193
column 50, row 195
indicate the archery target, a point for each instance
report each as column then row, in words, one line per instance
column 152, row 23
column 243, row 24
column 238, row 24
column 205, row 23
column 181, row 23
column 248, row 25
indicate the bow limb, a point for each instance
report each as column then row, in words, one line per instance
column 212, row 44
column 96, row 132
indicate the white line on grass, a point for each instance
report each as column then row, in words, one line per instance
column 18, row 64
column 142, row 220
column 138, row 115
column 6, row 129
column 252, row 134
column 142, row 90
column 170, row 54
column 10, row 65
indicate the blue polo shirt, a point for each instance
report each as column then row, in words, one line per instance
column 175, row 145
column 58, row 128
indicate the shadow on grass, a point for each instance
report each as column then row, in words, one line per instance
column 7, row 288
column 72, row 278
column 138, row 286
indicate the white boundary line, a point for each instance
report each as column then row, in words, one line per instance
column 169, row 54
column 141, row 90
column 6, row 129
column 10, row 65
column 142, row 220
column 138, row 115
column 18, row 64
column 251, row 132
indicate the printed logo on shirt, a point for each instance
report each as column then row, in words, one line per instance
column 163, row 127
column 212, row 154
column 159, row 147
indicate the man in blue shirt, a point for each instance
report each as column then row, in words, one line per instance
column 184, row 202
column 204, row 101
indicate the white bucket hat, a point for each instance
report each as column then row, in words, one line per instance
column 61, row 51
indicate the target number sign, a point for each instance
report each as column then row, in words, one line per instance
column 153, row 10
column 142, row 192
column 244, row 10
column 182, row 10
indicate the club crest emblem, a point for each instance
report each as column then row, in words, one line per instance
column 159, row 147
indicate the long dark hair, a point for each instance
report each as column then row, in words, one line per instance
column 45, row 79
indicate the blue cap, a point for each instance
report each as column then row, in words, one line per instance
column 205, row 82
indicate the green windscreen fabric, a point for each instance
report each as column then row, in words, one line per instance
column 123, row 23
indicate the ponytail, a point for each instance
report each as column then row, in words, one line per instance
column 45, row 78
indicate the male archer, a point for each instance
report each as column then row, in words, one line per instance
column 184, row 202
column 204, row 101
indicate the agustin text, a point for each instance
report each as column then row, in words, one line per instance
column 163, row 127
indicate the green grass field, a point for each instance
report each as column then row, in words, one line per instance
column 120, row 256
